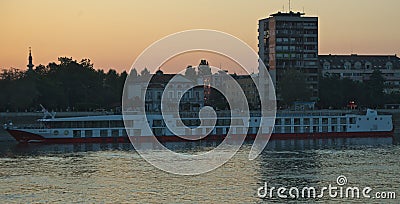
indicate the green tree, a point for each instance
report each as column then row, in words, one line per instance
column 293, row 87
column 375, row 87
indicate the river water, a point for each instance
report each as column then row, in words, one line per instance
column 115, row 173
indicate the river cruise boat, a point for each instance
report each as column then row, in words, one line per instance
column 287, row 125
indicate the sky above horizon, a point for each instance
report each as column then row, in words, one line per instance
column 113, row 33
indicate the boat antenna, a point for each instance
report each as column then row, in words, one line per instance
column 47, row 113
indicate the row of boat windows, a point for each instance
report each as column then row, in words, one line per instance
column 315, row 121
column 102, row 133
column 196, row 122
column 201, row 131
column 309, row 129
column 254, row 130
column 87, row 124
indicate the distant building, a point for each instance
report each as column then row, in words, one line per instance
column 249, row 89
column 290, row 41
column 360, row 67
column 191, row 100
column 30, row 61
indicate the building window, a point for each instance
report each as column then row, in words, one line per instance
column 327, row 65
column 368, row 65
column 347, row 65
column 357, row 65
column 389, row 65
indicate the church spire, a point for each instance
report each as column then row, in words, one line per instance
column 30, row 65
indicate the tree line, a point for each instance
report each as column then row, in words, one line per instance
column 70, row 85
column 67, row 85
column 336, row 92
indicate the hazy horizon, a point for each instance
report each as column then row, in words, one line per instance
column 113, row 34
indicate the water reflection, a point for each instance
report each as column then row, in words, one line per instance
column 115, row 173
column 10, row 149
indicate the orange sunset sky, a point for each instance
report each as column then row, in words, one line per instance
column 113, row 33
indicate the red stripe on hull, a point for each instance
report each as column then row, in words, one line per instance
column 23, row 137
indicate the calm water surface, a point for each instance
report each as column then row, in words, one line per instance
column 114, row 173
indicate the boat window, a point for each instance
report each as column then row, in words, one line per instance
column 196, row 122
column 324, row 120
column 342, row 120
column 287, row 129
column 88, row 133
column 227, row 122
column 137, row 132
column 76, row 133
column 237, row 122
column 124, row 134
column 180, row 123
column 89, row 124
column 315, row 121
column 188, row 131
column 278, row 121
column 287, row 121
column 333, row 120
column 296, row 129
column 297, row 121
column 114, row 133
column 103, row 133
column 199, row 131
column 157, row 123
column 157, row 131
column 116, row 123
column 73, row 124
column 208, row 122
column 97, row 124
column 219, row 131
column 306, row 121
column 129, row 123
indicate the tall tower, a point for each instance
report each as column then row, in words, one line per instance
column 30, row 65
column 290, row 41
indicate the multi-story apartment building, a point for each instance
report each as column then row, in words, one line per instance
column 290, row 41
